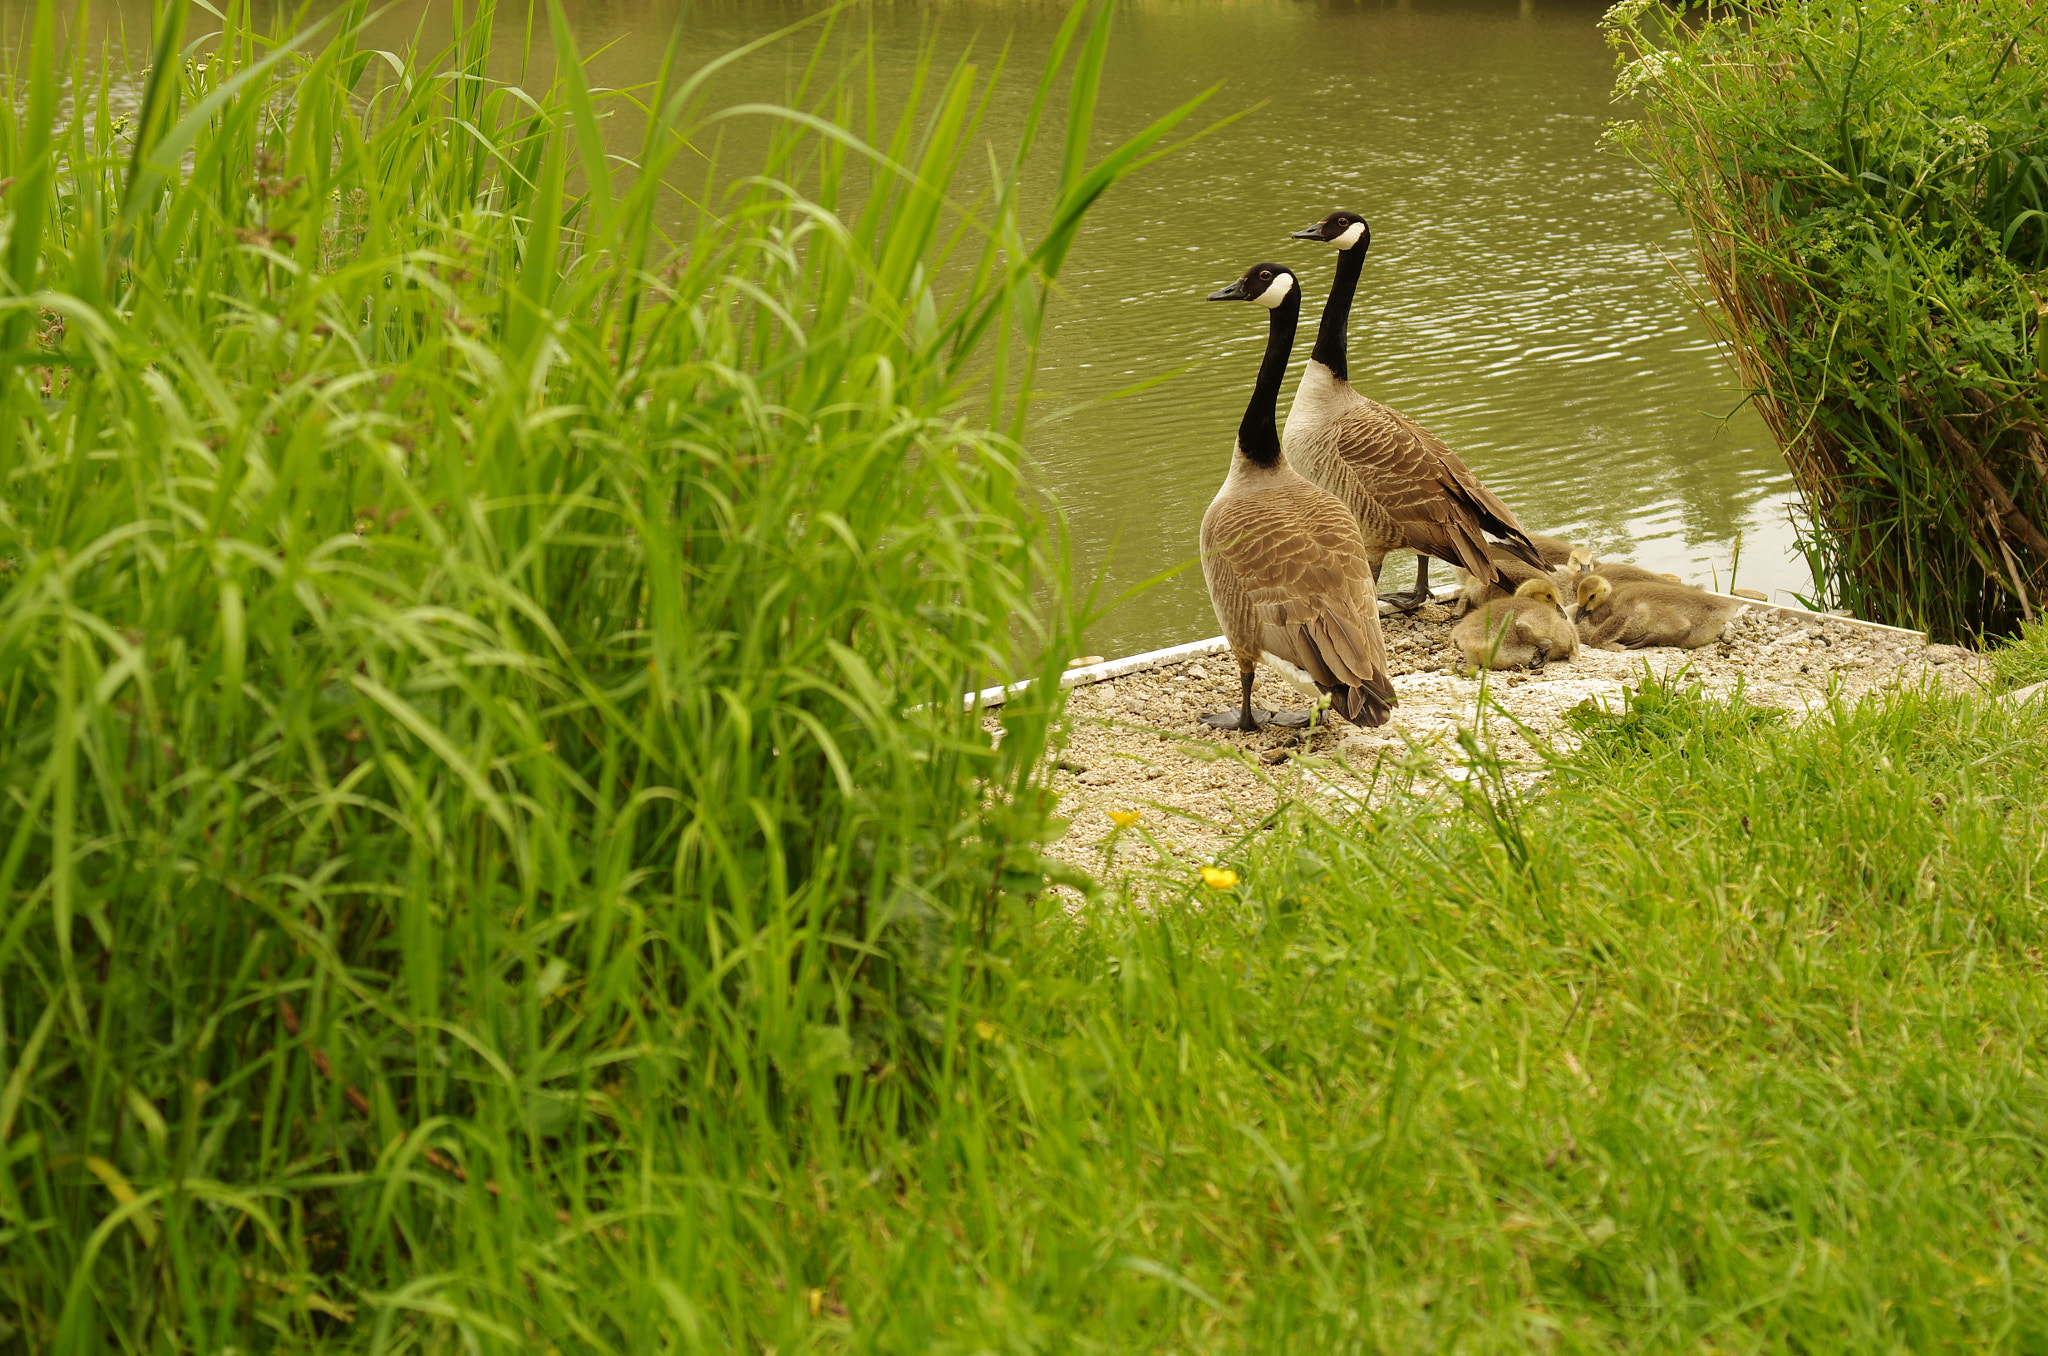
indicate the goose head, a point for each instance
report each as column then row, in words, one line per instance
column 1345, row 230
column 1268, row 284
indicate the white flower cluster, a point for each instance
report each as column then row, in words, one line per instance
column 1964, row 133
column 1648, row 69
column 1624, row 13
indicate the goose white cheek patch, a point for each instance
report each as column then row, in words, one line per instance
column 1350, row 237
column 1276, row 293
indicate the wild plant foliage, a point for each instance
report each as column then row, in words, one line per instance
column 1868, row 189
column 482, row 626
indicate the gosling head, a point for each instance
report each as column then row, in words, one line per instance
column 1543, row 587
column 1593, row 591
column 1581, row 559
column 1268, row 284
column 1345, row 230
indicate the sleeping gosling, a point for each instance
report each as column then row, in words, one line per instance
column 1472, row 590
column 1527, row 630
column 1639, row 614
column 1582, row 563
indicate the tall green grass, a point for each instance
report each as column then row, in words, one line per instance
column 1867, row 185
column 482, row 621
column 494, row 861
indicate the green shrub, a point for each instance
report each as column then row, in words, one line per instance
column 1867, row 184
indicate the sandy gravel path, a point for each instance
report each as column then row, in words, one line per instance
column 1135, row 743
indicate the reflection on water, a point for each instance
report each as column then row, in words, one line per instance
column 1519, row 299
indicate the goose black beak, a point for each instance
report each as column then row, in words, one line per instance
column 1234, row 292
column 1314, row 232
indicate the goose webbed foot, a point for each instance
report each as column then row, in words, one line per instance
column 1291, row 720
column 1418, row 595
column 1249, row 719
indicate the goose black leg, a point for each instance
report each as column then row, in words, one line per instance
column 1417, row 596
column 1250, row 718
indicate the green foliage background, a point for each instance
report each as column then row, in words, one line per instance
column 1868, row 189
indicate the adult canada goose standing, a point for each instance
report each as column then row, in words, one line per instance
column 1287, row 568
column 1406, row 487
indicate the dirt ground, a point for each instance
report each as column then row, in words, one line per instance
column 1135, row 743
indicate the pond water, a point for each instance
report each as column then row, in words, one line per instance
column 1523, row 298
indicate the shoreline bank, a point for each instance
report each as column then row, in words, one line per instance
column 1135, row 743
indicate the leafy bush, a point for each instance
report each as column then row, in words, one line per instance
column 1867, row 184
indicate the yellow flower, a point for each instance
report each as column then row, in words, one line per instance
column 1216, row 878
column 985, row 1029
column 1123, row 819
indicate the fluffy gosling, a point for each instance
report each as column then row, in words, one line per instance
column 1581, row 563
column 1639, row 614
column 1472, row 590
column 1527, row 630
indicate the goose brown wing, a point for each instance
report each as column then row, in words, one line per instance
column 1442, row 508
column 1305, row 574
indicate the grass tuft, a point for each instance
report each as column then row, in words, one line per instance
column 481, row 636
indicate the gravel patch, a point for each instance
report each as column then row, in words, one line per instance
column 1135, row 743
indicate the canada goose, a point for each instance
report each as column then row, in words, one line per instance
column 1581, row 564
column 1641, row 613
column 1528, row 630
column 1472, row 590
column 1406, row 487
column 1288, row 572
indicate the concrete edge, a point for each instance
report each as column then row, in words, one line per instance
column 1197, row 649
column 1791, row 611
column 2031, row 692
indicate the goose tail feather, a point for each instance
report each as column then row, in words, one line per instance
column 1334, row 652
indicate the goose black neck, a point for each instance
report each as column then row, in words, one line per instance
column 1329, row 349
column 1258, row 437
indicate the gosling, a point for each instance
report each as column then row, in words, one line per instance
column 1581, row 563
column 1639, row 614
column 1472, row 590
column 1527, row 630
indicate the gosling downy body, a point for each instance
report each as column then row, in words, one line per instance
column 1580, row 563
column 1642, row 613
column 1405, row 487
column 1288, row 572
column 1527, row 630
column 1472, row 590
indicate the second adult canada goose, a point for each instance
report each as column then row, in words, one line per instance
column 1287, row 569
column 1643, row 613
column 1528, row 629
column 1405, row 486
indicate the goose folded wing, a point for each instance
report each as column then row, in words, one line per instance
column 1316, row 609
